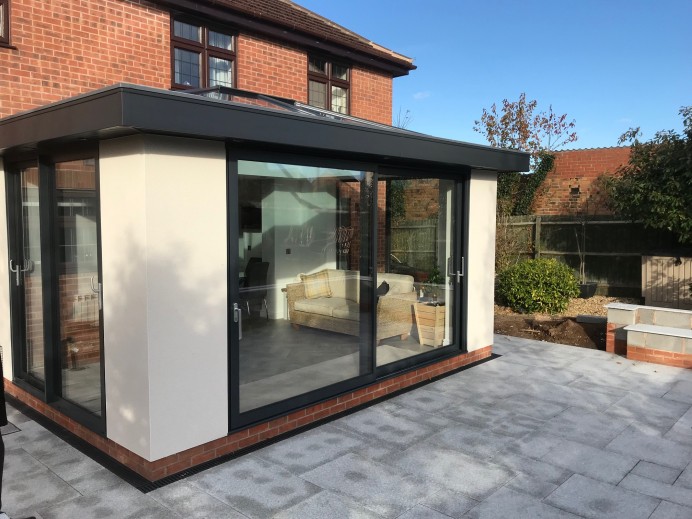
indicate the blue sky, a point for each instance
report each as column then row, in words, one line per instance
column 608, row 64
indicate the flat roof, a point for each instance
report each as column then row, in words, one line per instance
column 125, row 109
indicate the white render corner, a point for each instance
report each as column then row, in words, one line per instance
column 164, row 235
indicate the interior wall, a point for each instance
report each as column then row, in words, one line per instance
column 5, row 327
column 164, row 242
column 480, row 270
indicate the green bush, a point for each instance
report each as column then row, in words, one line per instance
column 540, row 285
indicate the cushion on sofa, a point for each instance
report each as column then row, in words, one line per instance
column 344, row 283
column 320, row 306
column 316, row 285
column 398, row 283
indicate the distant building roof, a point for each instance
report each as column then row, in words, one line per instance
column 285, row 14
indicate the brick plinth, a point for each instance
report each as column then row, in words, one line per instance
column 155, row 470
column 613, row 343
column 668, row 358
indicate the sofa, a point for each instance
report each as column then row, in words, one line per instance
column 330, row 300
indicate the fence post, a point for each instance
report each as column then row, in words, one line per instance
column 537, row 239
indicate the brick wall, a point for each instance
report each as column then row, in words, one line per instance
column 371, row 95
column 62, row 49
column 572, row 181
column 68, row 48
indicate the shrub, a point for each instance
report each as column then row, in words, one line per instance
column 539, row 285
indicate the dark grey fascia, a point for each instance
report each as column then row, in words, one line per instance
column 128, row 109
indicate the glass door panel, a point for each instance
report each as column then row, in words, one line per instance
column 27, row 274
column 303, row 309
column 416, row 280
column 78, row 283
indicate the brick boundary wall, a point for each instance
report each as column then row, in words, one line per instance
column 573, row 181
column 667, row 358
column 175, row 463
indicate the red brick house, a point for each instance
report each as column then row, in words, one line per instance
column 197, row 247
column 50, row 51
column 572, row 181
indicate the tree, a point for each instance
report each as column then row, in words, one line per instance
column 520, row 127
column 655, row 186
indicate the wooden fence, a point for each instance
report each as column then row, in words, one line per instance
column 612, row 249
column 414, row 241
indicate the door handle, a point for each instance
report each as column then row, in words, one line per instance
column 16, row 270
column 238, row 318
column 97, row 289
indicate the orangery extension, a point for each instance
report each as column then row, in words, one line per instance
column 194, row 268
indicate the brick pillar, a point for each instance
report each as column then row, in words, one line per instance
column 619, row 316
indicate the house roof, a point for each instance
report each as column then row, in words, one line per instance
column 289, row 21
column 121, row 110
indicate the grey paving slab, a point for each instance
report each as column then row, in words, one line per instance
column 681, row 391
column 590, row 461
column 8, row 429
column 95, row 482
column 530, row 406
column 68, row 463
column 449, row 503
column 555, row 376
column 509, row 503
column 668, row 510
column 254, row 487
column 109, row 504
column 597, row 500
column 660, row 473
column 477, row 480
column 572, row 396
column 430, row 419
column 627, row 381
column 377, row 423
column 533, row 468
column 532, row 486
column 20, row 465
column 306, row 451
column 535, row 445
column 685, row 479
column 651, row 448
column 326, row 504
column 648, row 410
column 34, row 491
column 476, row 414
column 516, row 425
column 426, row 399
column 383, row 489
column 422, row 512
column 653, row 488
column 480, row 443
column 190, row 501
column 679, row 433
column 588, row 427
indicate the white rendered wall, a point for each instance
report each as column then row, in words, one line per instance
column 480, row 262
column 164, row 256
column 5, row 328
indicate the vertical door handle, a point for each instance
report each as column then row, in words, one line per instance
column 97, row 289
column 238, row 318
column 15, row 268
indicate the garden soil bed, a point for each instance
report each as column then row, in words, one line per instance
column 560, row 328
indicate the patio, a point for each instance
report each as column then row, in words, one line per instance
column 545, row 430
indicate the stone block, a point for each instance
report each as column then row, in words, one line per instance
column 664, row 342
column 673, row 319
column 622, row 316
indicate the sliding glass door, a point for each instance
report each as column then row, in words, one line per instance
column 56, row 293
column 301, row 289
column 338, row 275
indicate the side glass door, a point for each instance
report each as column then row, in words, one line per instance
column 26, row 269
column 302, row 288
column 78, row 287
column 418, row 269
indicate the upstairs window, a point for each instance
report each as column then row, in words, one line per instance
column 328, row 84
column 202, row 56
column 4, row 22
